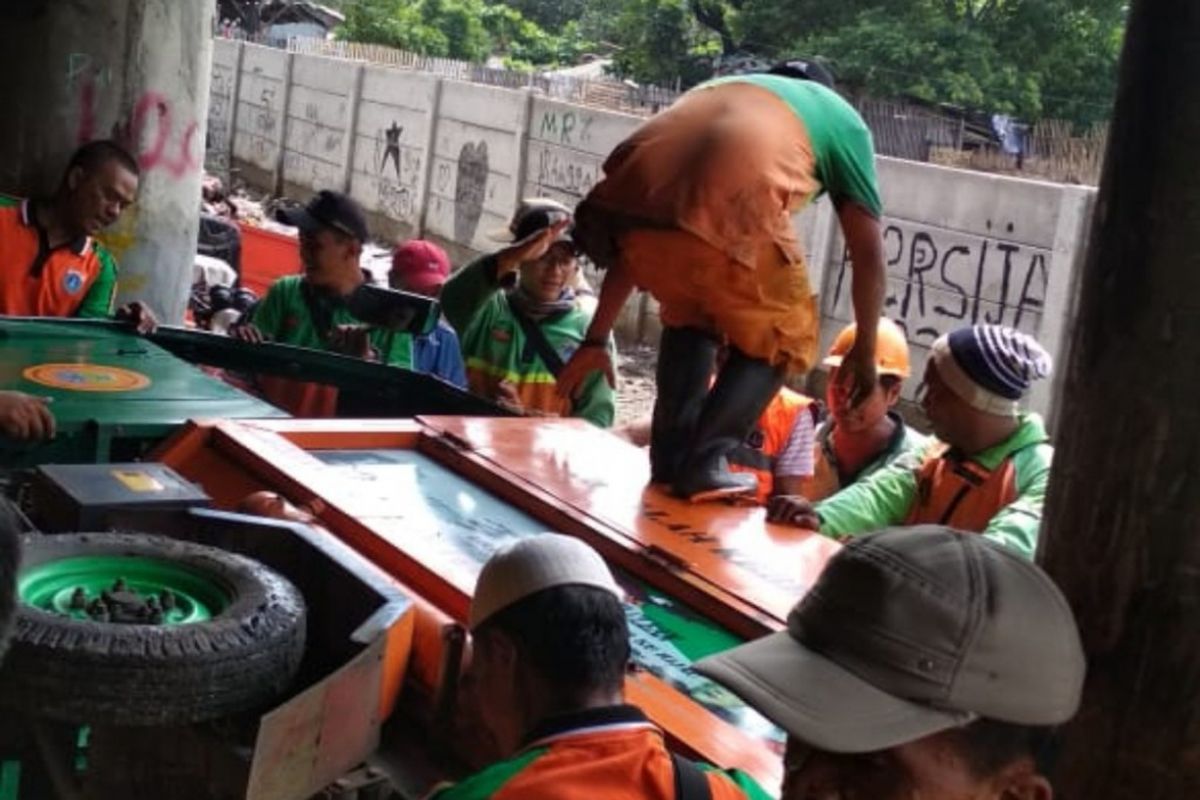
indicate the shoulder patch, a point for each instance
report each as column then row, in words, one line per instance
column 72, row 281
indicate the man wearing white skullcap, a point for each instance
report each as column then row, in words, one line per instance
column 987, row 473
column 550, row 649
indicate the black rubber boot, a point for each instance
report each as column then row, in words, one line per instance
column 686, row 360
column 743, row 389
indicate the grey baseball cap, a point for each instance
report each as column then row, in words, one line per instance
column 908, row 632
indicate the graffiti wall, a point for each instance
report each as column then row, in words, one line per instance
column 318, row 118
column 260, row 112
column 218, row 139
column 395, row 112
column 567, row 147
column 475, row 158
column 964, row 248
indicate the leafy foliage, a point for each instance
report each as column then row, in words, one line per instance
column 1030, row 58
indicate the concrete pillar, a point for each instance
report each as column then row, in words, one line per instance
column 435, row 110
column 134, row 70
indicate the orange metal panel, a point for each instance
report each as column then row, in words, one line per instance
column 724, row 560
column 604, row 477
column 397, row 656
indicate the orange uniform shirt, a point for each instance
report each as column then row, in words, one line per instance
column 77, row 279
column 613, row 753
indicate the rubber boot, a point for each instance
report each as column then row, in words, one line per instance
column 686, row 359
column 744, row 388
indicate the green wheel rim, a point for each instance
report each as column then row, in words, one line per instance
column 52, row 586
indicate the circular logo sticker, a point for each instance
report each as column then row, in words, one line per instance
column 72, row 281
column 86, row 377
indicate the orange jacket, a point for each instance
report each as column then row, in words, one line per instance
column 760, row 451
column 613, row 753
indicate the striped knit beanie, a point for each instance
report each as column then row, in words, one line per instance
column 989, row 366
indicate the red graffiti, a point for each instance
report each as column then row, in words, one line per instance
column 147, row 131
column 151, row 126
column 151, row 103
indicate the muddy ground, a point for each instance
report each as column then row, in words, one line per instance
column 635, row 388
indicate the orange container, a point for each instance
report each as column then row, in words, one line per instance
column 267, row 255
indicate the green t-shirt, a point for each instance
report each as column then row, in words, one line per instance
column 841, row 141
column 495, row 347
column 284, row 316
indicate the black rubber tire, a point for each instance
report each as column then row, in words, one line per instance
column 104, row 673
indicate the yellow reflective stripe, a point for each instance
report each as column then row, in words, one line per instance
column 501, row 373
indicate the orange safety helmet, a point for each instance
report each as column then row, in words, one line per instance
column 891, row 348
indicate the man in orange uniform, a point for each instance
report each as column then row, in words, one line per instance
column 856, row 442
column 989, row 471
column 696, row 208
column 50, row 262
column 550, row 645
column 778, row 451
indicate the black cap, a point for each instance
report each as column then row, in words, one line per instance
column 328, row 210
column 805, row 69
column 534, row 214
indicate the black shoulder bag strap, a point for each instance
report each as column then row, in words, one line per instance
column 541, row 344
column 690, row 781
column 320, row 310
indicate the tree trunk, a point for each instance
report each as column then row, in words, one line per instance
column 1122, row 528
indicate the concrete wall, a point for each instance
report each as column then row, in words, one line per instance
column 259, row 116
column 476, row 161
column 226, row 72
column 316, row 132
column 449, row 160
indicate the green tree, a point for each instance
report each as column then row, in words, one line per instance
column 661, row 41
column 471, row 30
column 551, row 15
column 1031, row 58
column 448, row 28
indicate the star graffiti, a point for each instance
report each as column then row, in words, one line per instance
column 392, row 147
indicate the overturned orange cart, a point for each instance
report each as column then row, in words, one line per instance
column 429, row 499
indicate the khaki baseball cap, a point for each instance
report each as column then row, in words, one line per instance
column 908, row 632
column 531, row 565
